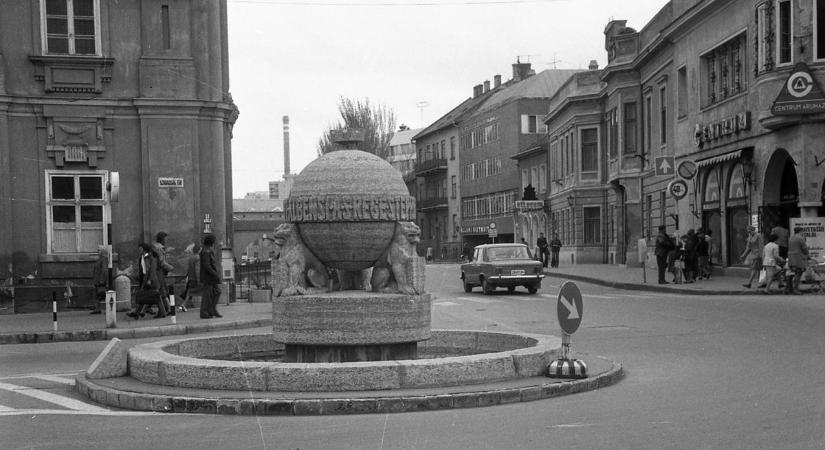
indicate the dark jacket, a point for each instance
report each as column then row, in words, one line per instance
column 663, row 245
column 542, row 243
column 555, row 244
column 148, row 279
column 209, row 268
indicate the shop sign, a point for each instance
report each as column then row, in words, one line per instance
column 474, row 229
column 799, row 95
column 169, row 182
column 529, row 205
column 721, row 128
column 813, row 228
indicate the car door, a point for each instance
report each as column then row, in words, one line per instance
column 474, row 268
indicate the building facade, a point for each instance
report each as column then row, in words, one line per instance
column 115, row 123
column 724, row 95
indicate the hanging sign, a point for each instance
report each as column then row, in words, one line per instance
column 799, row 95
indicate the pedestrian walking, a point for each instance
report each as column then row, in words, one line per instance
column 676, row 260
column 100, row 278
column 544, row 253
column 192, row 280
column 772, row 262
column 752, row 256
column 164, row 267
column 663, row 246
column 797, row 258
column 210, row 279
column 702, row 255
column 555, row 248
column 782, row 235
column 148, row 293
column 691, row 263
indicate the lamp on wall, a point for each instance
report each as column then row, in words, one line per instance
column 747, row 170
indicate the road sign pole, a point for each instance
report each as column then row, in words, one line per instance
column 565, row 345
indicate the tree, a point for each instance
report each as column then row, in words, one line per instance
column 376, row 122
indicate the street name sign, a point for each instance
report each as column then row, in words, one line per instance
column 569, row 307
column 665, row 165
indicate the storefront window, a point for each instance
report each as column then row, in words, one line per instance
column 736, row 188
column 711, row 191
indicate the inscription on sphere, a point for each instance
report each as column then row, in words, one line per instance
column 349, row 208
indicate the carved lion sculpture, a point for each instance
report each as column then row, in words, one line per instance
column 304, row 270
column 392, row 271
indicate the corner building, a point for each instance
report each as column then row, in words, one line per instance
column 697, row 83
column 93, row 92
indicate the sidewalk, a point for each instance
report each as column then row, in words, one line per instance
column 620, row 277
column 82, row 326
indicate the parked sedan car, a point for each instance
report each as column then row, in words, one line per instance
column 507, row 265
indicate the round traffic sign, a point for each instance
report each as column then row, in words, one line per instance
column 678, row 189
column 686, row 169
column 569, row 307
column 492, row 225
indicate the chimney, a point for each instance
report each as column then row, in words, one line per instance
column 477, row 90
column 594, row 65
column 496, row 81
column 486, row 85
column 521, row 70
column 286, row 145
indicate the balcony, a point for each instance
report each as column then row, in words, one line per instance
column 430, row 166
column 432, row 203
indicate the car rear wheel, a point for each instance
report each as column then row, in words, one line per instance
column 487, row 287
column 532, row 289
column 467, row 286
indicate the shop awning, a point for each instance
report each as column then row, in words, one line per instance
column 713, row 160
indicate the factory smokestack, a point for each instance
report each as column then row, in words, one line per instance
column 286, row 145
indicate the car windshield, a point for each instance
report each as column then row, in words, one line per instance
column 501, row 253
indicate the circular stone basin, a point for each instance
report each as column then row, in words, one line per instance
column 493, row 357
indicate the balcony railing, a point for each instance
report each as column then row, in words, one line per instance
column 430, row 165
column 432, row 203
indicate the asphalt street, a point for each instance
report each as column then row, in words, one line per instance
column 702, row 372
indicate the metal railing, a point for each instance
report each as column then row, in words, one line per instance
column 252, row 276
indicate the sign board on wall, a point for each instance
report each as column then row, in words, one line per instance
column 170, row 182
column 814, row 230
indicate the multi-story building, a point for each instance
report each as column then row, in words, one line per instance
column 508, row 123
column 731, row 91
column 115, row 123
column 437, row 186
column 401, row 155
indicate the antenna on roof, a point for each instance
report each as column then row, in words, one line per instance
column 554, row 61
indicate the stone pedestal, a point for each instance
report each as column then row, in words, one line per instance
column 351, row 326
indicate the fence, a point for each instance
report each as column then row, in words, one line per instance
column 252, row 276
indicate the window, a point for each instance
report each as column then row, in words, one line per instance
column 592, row 224
column 663, row 115
column 589, row 150
column 784, row 28
column 164, row 19
column 452, row 147
column 612, row 134
column 454, row 187
column 649, row 216
column 681, row 85
column 75, row 211
column 648, row 120
column 455, row 225
column 71, row 27
column 819, row 29
column 662, row 207
column 630, row 128
column 534, row 177
column 764, row 37
column 723, row 74
column 532, row 124
column 525, row 179
column 543, row 178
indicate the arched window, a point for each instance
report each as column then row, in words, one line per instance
column 736, row 185
column 711, row 191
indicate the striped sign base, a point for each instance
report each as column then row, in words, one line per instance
column 567, row 368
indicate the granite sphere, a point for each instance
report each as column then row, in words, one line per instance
column 345, row 205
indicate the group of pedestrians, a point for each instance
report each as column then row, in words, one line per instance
column 687, row 257
column 153, row 266
column 782, row 260
column 548, row 251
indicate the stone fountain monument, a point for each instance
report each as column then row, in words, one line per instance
column 349, row 284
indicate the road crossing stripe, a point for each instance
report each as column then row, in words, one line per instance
column 5, row 408
column 59, row 400
column 70, row 412
column 55, row 379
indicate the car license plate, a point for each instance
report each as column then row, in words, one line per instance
column 517, row 272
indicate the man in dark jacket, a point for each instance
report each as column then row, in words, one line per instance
column 663, row 246
column 544, row 253
column 210, row 279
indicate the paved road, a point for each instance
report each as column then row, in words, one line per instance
column 702, row 372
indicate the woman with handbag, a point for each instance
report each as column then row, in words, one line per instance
column 752, row 256
column 148, row 292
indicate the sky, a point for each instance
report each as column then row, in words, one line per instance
column 421, row 58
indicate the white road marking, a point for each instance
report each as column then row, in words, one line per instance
column 477, row 299
column 5, row 409
column 445, row 304
column 572, row 425
column 69, row 412
column 55, row 379
column 59, row 400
